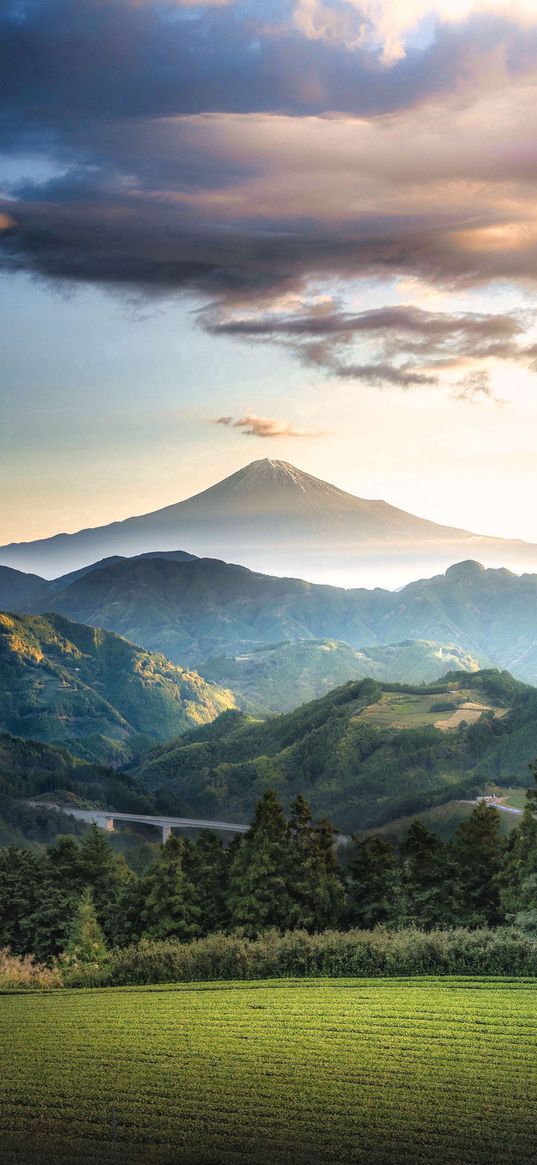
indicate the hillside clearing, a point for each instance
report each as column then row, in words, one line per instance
column 404, row 710
column 421, row 1070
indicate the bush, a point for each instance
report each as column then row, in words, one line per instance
column 297, row 954
column 19, row 972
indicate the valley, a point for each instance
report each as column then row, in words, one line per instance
column 371, row 732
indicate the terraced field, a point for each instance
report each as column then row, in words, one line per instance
column 393, row 1072
column 404, row 710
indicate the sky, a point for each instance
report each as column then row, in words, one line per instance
column 301, row 229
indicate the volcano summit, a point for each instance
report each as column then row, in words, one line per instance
column 273, row 517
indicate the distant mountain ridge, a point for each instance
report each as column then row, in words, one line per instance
column 275, row 518
column 279, row 678
column 197, row 609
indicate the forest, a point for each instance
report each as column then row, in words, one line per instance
column 77, row 899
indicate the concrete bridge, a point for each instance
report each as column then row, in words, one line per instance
column 105, row 819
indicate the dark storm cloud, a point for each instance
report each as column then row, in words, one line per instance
column 60, row 61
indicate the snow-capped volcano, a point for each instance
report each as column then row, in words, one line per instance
column 273, row 517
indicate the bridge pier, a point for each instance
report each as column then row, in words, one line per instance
column 166, row 831
column 109, row 824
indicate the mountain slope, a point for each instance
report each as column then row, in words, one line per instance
column 364, row 755
column 275, row 518
column 279, row 678
column 202, row 608
column 65, row 683
column 29, row 769
column 19, row 590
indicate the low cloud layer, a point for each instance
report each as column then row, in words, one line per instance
column 253, row 426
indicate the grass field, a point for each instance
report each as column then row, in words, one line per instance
column 390, row 1072
column 444, row 820
column 404, row 710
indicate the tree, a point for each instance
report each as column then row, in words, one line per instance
column 426, row 898
column 169, row 908
column 531, row 795
column 86, row 940
column 258, row 895
column 64, row 862
column 477, row 856
column 126, row 915
column 314, row 879
column 517, row 879
column 206, row 865
column 518, row 862
column 104, row 874
column 374, row 883
column 21, row 880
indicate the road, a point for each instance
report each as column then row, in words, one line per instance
column 494, row 805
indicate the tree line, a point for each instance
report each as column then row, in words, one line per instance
column 285, row 874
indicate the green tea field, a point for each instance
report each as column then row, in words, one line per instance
column 388, row 1072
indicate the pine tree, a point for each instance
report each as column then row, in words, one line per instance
column 517, row 879
column 373, row 890
column 64, row 861
column 302, row 868
column 103, row 873
column 86, row 940
column 314, row 879
column 531, row 794
column 426, row 898
column 169, row 908
column 21, row 878
column 258, row 895
column 477, row 857
column 124, row 916
column 206, row 865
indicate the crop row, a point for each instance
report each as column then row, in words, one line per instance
column 426, row 1072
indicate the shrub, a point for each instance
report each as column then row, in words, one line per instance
column 297, row 954
column 19, row 972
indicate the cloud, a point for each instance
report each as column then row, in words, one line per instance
column 185, row 3
column 65, row 65
column 387, row 24
column 236, row 158
column 253, row 426
column 247, row 205
column 404, row 346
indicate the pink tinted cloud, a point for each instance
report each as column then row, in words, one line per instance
column 252, row 425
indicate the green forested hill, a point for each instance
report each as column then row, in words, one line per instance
column 279, row 678
column 31, row 769
column 365, row 754
column 67, row 683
